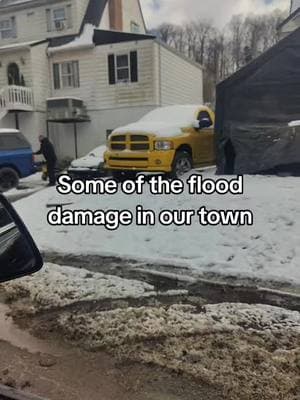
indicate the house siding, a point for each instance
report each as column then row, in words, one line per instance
column 92, row 134
column 95, row 89
column 181, row 80
column 23, row 59
column 32, row 22
column 105, row 21
column 40, row 81
column 81, row 6
column 132, row 13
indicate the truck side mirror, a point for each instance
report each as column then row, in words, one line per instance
column 202, row 123
column 19, row 255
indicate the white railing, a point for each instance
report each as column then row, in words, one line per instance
column 16, row 98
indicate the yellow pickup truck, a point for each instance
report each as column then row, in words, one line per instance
column 170, row 140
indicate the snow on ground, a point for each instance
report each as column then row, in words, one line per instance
column 268, row 250
column 58, row 286
column 27, row 186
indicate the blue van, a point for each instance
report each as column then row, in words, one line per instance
column 16, row 158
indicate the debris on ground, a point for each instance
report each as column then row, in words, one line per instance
column 252, row 352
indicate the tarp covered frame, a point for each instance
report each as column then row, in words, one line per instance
column 254, row 107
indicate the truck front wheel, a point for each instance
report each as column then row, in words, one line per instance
column 182, row 164
column 9, row 179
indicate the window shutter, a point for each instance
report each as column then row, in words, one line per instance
column 76, row 74
column 56, row 79
column 111, row 69
column 14, row 27
column 134, row 66
column 49, row 20
column 69, row 16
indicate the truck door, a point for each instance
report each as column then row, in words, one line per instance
column 205, row 148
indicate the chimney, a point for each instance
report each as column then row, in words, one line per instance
column 116, row 15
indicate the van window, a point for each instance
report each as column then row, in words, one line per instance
column 13, row 142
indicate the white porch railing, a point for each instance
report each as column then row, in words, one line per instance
column 15, row 98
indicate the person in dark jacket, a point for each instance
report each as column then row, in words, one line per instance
column 47, row 150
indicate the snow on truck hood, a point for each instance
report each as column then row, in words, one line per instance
column 91, row 160
column 163, row 122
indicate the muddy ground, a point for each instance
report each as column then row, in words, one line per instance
column 167, row 346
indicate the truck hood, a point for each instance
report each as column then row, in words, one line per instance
column 156, row 128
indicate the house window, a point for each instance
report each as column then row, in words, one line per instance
column 134, row 27
column 59, row 19
column 8, row 28
column 66, row 75
column 123, row 68
column 59, row 15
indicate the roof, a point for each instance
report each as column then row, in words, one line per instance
column 102, row 37
column 94, row 12
column 291, row 40
column 7, row 130
column 21, row 46
column 6, row 5
column 289, row 18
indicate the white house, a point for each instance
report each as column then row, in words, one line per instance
column 78, row 69
column 291, row 23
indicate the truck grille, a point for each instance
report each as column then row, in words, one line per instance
column 130, row 142
column 118, row 146
column 139, row 138
column 139, row 146
column 121, row 138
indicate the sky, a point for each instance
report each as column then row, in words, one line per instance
column 218, row 11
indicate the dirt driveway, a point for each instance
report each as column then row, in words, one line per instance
column 56, row 370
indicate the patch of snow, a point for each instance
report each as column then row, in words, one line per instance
column 27, row 186
column 58, row 286
column 294, row 123
column 84, row 40
column 163, row 122
column 91, row 160
column 7, row 130
column 16, row 46
column 268, row 250
column 63, row 98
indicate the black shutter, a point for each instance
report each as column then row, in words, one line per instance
column 56, row 79
column 111, row 69
column 134, row 66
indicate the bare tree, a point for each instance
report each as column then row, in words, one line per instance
column 237, row 34
column 223, row 52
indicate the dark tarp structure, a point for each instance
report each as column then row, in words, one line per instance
column 254, row 107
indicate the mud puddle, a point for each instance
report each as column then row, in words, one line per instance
column 210, row 288
column 11, row 333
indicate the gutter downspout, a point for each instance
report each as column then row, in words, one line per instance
column 160, row 76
